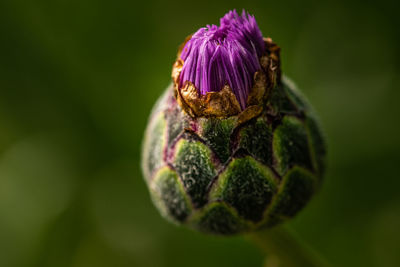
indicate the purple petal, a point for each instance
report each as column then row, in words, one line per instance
column 225, row 54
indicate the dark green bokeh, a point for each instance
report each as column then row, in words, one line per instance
column 78, row 80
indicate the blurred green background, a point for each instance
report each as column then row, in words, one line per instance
column 78, row 80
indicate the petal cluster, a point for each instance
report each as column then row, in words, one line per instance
column 225, row 54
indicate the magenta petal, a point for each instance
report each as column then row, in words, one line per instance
column 225, row 54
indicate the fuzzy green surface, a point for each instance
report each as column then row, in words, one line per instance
column 220, row 177
column 216, row 134
column 247, row 186
column 193, row 164
column 169, row 195
column 290, row 145
column 256, row 139
column 154, row 145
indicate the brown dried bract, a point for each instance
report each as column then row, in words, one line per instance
column 176, row 70
column 271, row 62
column 249, row 113
column 213, row 104
column 258, row 90
column 224, row 102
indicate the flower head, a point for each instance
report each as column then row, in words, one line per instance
column 226, row 54
column 231, row 147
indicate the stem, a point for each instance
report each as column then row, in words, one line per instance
column 283, row 249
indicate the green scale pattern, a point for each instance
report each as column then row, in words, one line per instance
column 220, row 177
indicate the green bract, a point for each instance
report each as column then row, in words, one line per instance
column 223, row 176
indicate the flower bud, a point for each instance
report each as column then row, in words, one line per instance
column 231, row 146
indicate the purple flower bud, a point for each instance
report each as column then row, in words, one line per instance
column 225, row 54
